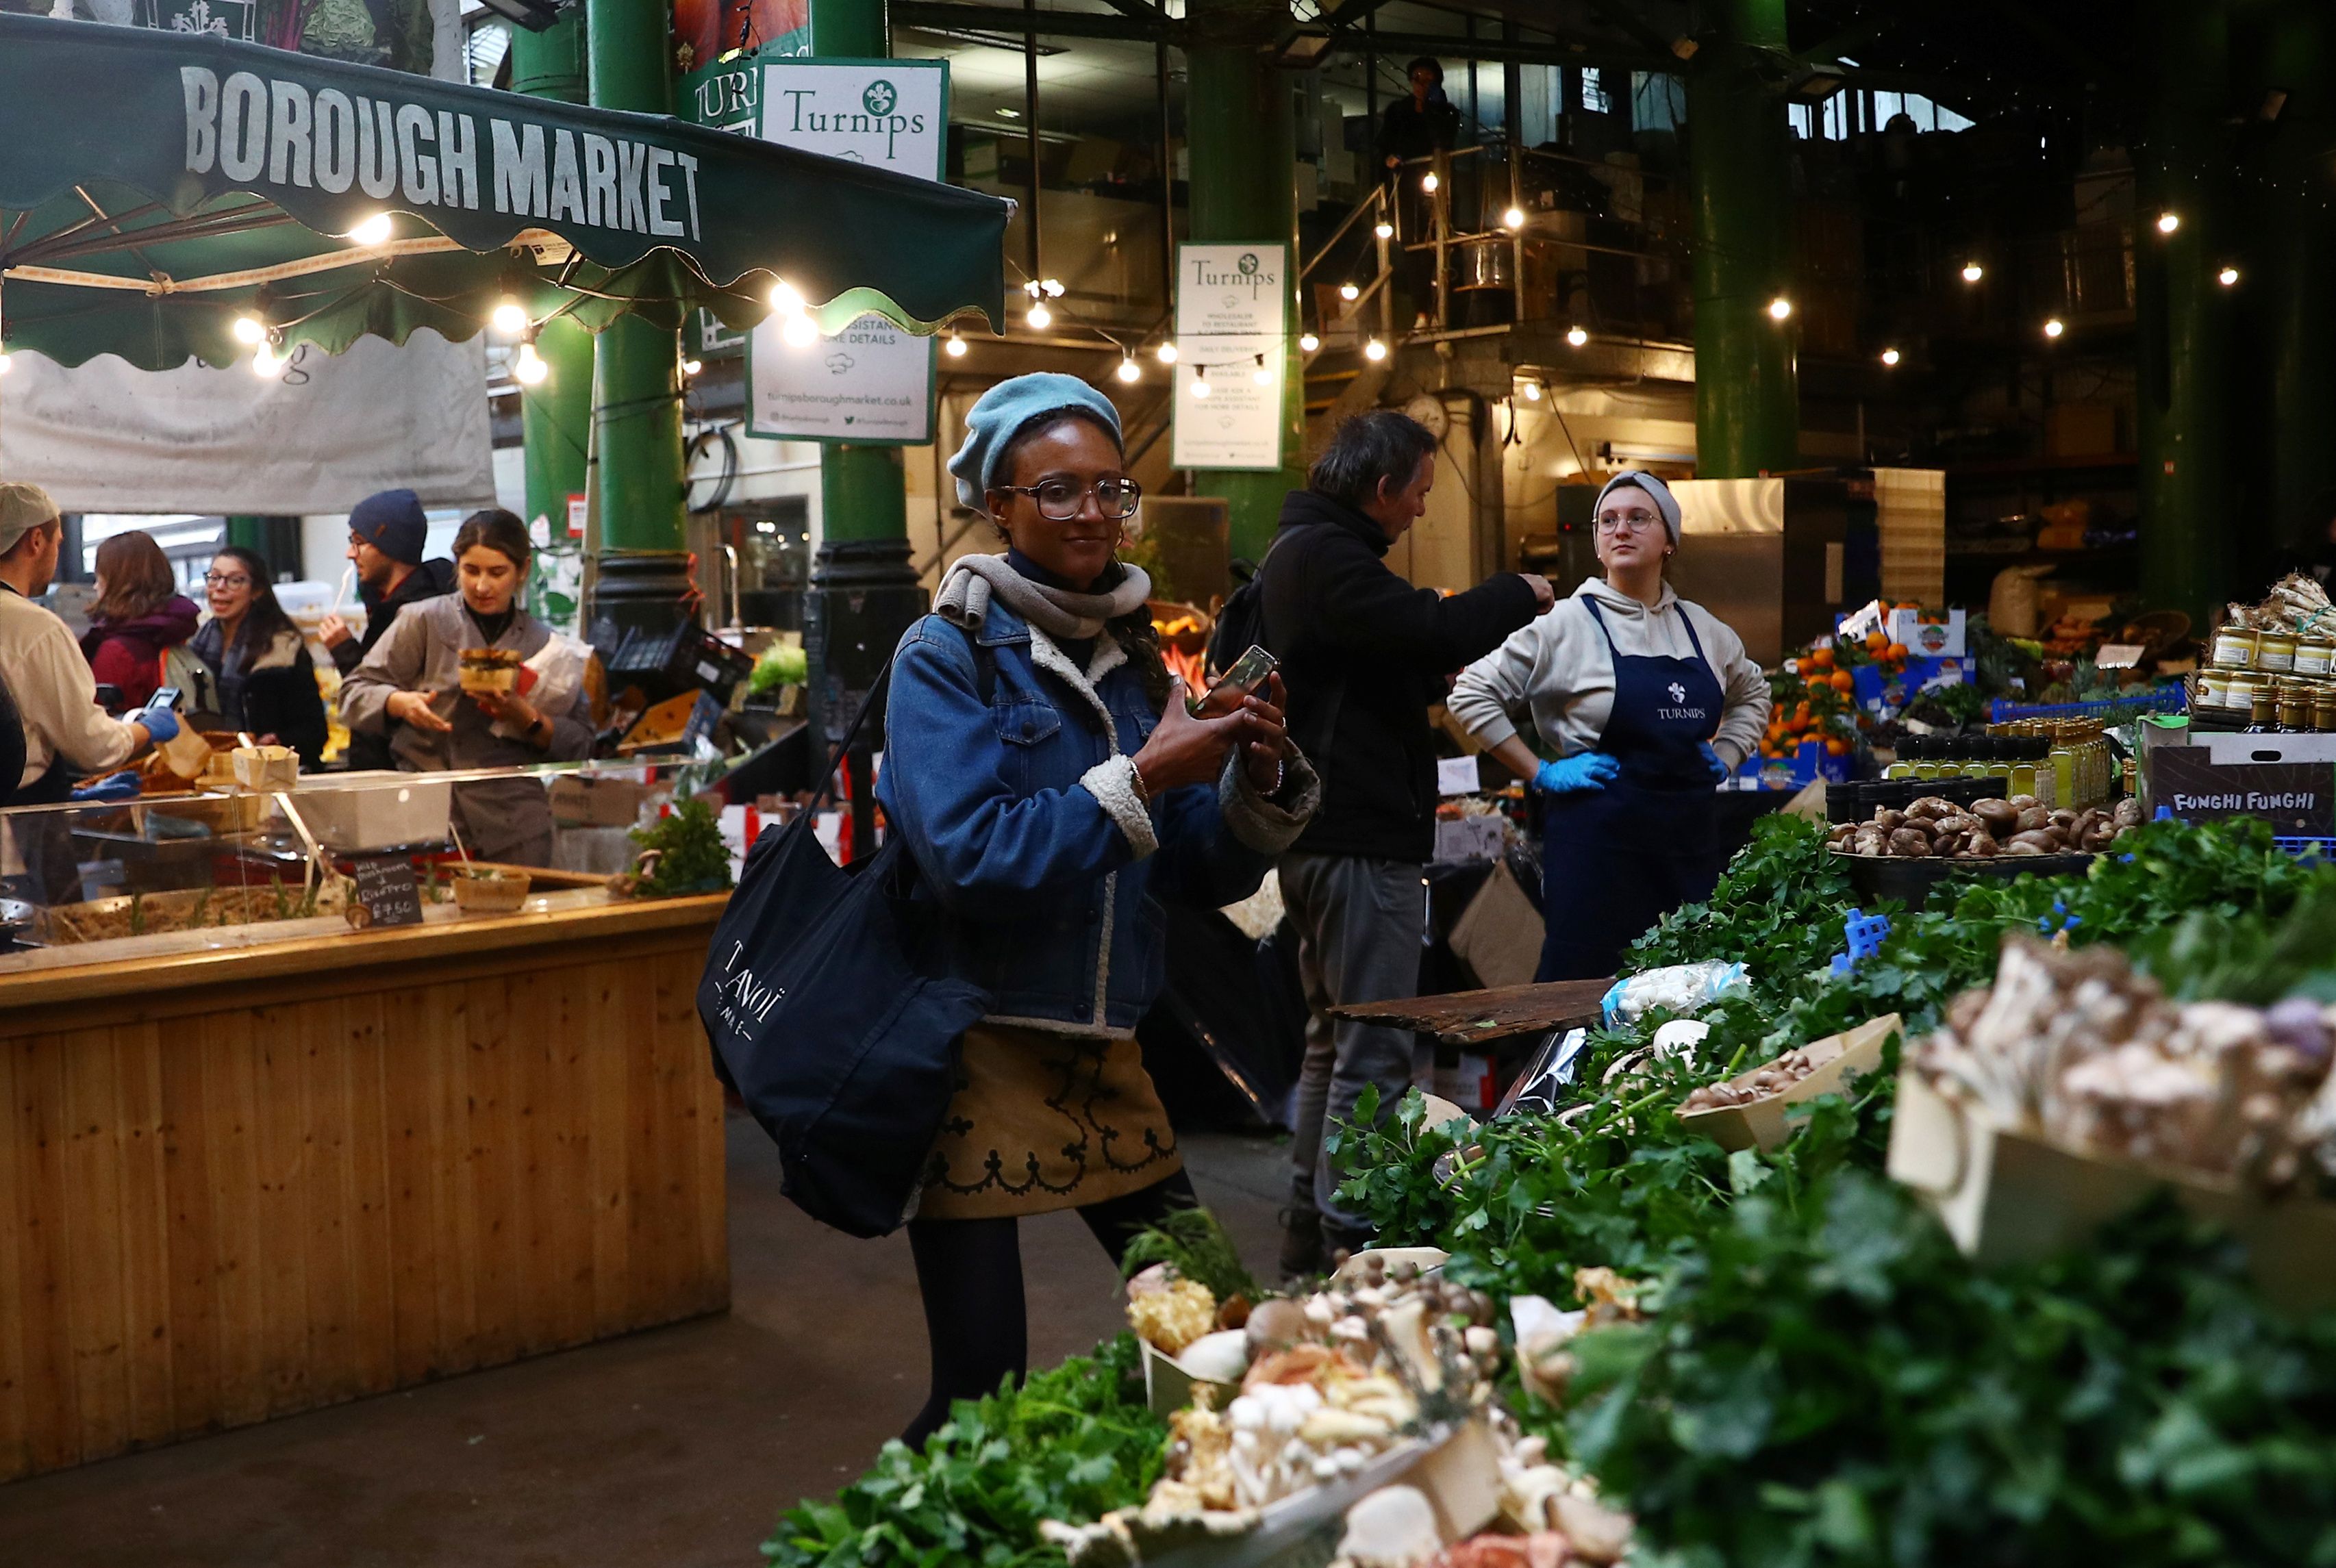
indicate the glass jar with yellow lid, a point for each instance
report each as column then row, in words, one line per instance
column 2234, row 647
column 2315, row 655
column 2276, row 651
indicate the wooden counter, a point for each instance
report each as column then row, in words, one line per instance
column 239, row 1181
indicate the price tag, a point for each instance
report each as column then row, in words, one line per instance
column 1457, row 776
column 386, row 894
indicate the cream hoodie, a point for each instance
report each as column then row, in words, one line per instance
column 1559, row 667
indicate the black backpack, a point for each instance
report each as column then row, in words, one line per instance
column 1241, row 626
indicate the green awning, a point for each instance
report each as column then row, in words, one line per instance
column 155, row 186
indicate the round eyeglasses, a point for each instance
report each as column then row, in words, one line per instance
column 1059, row 500
column 1626, row 522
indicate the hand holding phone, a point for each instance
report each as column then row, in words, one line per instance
column 1246, row 678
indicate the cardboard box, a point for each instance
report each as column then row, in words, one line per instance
column 2009, row 1196
column 601, row 802
column 1929, row 634
column 1766, row 1123
column 1499, row 935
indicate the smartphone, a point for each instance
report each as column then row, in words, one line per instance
column 164, row 697
column 1247, row 677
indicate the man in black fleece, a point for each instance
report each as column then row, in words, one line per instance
column 1364, row 655
column 387, row 534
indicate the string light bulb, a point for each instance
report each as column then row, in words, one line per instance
column 786, row 297
column 2054, row 327
column 529, row 369
column 1263, row 374
column 2168, row 222
column 1128, row 370
column 248, row 330
column 1576, row 335
column 1166, row 352
column 1974, row 272
column 1780, row 308
column 691, row 368
column 1375, row 351
column 1532, row 392
column 374, row 231
column 801, row 331
column 2228, row 276
column 1307, row 342
column 1350, row 291
column 1383, row 229
column 1200, row 381
column 1052, row 288
column 1428, row 183
column 1040, row 317
column 1513, row 219
column 956, row 349
column 266, row 363
column 1889, row 356
column 509, row 317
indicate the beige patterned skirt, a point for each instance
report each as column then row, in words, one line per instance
column 1042, row 1121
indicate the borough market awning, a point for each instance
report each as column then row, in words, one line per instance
column 155, row 186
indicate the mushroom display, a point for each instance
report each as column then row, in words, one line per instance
column 1931, row 828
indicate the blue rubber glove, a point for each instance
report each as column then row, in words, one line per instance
column 120, row 786
column 160, row 722
column 1719, row 765
column 1589, row 770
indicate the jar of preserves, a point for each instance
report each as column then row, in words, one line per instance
column 2294, row 706
column 2211, row 689
column 2323, row 708
column 2234, row 647
column 2315, row 657
column 2276, row 651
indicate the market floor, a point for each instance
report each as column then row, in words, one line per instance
column 676, row 1446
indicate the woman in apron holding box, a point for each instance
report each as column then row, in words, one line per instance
column 1648, row 703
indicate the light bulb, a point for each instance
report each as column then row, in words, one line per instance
column 509, row 317
column 1307, row 342
column 1576, row 335
column 2053, row 328
column 1052, row 287
column 266, row 363
column 1031, row 286
column 1889, row 356
column 1201, row 385
column 786, row 297
column 1974, row 272
column 1532, row 392
column 2228, row 276
column 529, row 368
column 7, row 363
column 1040, row 317
column 1167, row 353
column 1514, row 218
column 374, row 231
column 956, row 346
column 799, row 332
column 2168, row 222
column 1375, row 351
column 1780, row 308
column 1428, row 183
column 248, row 330
column 1349, row 291
column 1128, row 370
column 1262, row 375
column 692, row 366
column 1384, row 230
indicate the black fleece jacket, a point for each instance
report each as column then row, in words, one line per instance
column 1364, row 655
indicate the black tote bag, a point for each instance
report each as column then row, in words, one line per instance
column 822, row 1022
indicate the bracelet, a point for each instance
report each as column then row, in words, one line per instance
column 1142, row 790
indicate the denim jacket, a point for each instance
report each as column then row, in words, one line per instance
column 1028, row 830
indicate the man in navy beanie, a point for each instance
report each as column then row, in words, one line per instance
column 387, row 535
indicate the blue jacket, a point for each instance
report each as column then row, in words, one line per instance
column 1027, row 831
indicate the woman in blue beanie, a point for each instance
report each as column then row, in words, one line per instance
column 1041, row 767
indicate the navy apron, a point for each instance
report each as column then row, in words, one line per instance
column 1617, row 860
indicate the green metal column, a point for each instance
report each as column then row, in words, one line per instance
column 2301, row 320
column 1746, row 387
column 641, row 574
column 556, row 414
column 2183, row 316
column 1242, row 136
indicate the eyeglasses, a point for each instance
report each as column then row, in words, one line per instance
column 1626, row 522
column 215, row 579
column 1059, row 500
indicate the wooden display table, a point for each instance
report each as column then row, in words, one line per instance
column 241, row 1177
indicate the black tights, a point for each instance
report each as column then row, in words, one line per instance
column 970, row 1272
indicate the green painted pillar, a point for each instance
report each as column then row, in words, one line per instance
column 641, row 567
column 2183, row 317
column 556, row 414
column 2301, row 320
column 1243, row 137
column 1748, row 412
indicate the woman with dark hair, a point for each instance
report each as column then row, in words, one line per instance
column 139, row 615
column 265, row 683
column 409, row 688
column 1052, row 786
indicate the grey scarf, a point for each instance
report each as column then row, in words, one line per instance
column 972, row 580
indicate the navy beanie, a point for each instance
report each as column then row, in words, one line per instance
column 392, row 523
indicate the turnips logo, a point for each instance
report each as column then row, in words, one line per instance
column 1678, row 692
column 880, row 97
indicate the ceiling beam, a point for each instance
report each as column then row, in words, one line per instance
column 1603, row 55
column 1140, row 25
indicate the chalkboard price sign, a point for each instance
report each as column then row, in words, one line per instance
column 386, row 894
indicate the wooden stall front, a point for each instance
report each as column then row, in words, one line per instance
column 237, row 1184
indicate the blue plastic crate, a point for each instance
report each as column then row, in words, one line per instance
column 2169, row 697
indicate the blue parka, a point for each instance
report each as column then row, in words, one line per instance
column 1028, row 830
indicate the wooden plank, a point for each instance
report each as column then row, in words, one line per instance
column 53, row 1428
column 440, row 1016
column 195, row 1330
column 91, row 1214
column 325, row 1193
column 491, row 1133
column 146, row 1232
column 649, row 1236
column 609, row 1070
column 371, row 1250
column 565, row 1165
column 284, row 1150
column 411, row 1110
column 1469, row 1018
column 15, row 1305
column 230, row 1105
column 704, row 1148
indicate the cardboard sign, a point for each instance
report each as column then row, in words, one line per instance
column 2297, row 798
column 1457, row 776
column 385, row 894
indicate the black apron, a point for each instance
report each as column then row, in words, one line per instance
column 1617, row 860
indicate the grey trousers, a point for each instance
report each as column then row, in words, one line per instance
column 1359, row 924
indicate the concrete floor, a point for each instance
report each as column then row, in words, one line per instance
column 677, row 1446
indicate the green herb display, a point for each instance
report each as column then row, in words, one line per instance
column 1195, row 1245
column 691, row 856
column 1072, row 1444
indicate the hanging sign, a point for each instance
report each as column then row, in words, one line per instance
column 873, row 381
column 1230, row 315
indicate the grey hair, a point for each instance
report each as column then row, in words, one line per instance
column 1382, row 444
